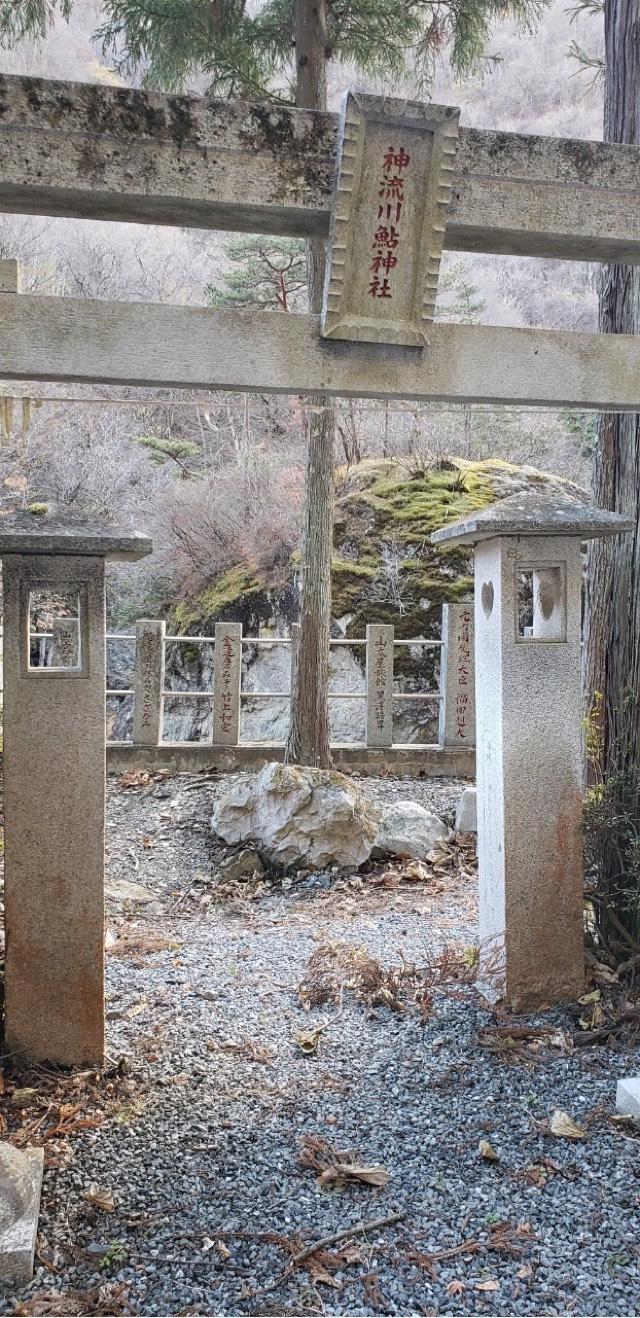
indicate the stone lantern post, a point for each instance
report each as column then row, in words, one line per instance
column 529, row 754
column 54, row 777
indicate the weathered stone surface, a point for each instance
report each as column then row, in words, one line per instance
column 148, row 700
column 22, row 532
column 529, row 754
column 127, row 890
column 227, row 672
column 529, row 779
column 298, row 816
column 407, row 829
column 148, row 344
column 394, row 172
column 9, row 277
column 541, row 516
column 20, row 1185
column 628, row 1096
column 457, row 721
column 54, row 774
column 242, row 864
column 466, row 812
column 379, row 684
column 116, row 153
column 65, row 647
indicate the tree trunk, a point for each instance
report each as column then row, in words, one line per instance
column 309, row 733
column 612, row 637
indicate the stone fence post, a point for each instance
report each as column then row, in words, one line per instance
column 148, row 683
column 227, row 673
column 65, row 642
column 379, row 684
column 457, row 677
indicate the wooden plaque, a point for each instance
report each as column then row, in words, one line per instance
column 392, row 188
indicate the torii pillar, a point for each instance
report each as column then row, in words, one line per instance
column 54, row 777
column 529, row 753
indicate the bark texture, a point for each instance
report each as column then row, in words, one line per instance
column 612, row 640
column 309, row 733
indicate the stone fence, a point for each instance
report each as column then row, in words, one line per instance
column 454, row 696
column 452, row 699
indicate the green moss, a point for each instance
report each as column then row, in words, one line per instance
column 384, row 512
column 238, row 583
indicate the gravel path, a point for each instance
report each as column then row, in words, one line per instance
column 210, row 1195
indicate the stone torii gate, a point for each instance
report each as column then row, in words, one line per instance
column 389, row 183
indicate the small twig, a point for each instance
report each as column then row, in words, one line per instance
column 358, row 1229
column 611, row 915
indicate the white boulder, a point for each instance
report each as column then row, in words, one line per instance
column 20, row 1184
column 407, row 829
column 466, row 812
column 297, row 816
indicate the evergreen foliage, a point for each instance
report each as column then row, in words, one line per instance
column 269, row 273
column 459, row 299
column 30, row 18
column 247, row 53
column 164, row 450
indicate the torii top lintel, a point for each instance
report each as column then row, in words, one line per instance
column 94, row 151
column 99, row 152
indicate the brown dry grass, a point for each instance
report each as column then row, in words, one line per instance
column 338, row 967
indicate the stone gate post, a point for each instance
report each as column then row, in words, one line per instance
column 457, row 722
column 54, row 770
column 148, row 685
column 227, row 674
column 380, row 638
column 528, row 589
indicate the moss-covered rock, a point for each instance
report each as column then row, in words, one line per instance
column 385, row 568
column 240, row 595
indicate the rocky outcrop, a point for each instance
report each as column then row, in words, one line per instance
column 298, row 817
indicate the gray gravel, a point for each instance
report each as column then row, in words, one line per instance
column 207, row 1167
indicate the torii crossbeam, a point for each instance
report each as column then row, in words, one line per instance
column 112, row 153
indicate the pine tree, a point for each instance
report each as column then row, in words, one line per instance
column 281, row 51
column 268, row 273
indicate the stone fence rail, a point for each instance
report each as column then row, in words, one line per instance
column 454, row 696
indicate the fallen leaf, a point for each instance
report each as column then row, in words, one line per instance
column 586, row 998
column 416, row 870
column 487, row 1286
column 22, row 1097
column 487, row 1151
column 308, row 1040
column 370, row 1175
column 318, row 1265
column 562, row 1125
column 604, row 975
column 455, row 1288
column 100, row 1197
column 525, row 1271
column 536, row 1175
